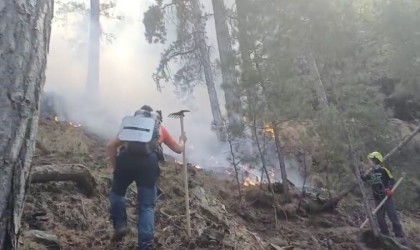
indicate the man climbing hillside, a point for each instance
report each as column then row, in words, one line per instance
column 382, row 181
column 134, row 156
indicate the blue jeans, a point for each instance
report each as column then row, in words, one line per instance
column 142, row 170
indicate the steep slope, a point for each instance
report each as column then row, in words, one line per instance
column 220, row 218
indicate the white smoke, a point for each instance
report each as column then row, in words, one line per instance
column 126, row 67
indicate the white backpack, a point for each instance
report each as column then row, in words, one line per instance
column 140, row 132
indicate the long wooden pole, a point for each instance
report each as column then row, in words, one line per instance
column 187, row 198
column 403, row 143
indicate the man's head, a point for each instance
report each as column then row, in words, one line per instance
column 147, row 108
column 376, row 158
column 150, row 109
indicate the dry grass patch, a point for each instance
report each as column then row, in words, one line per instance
column 60, row 138
column 411, row 227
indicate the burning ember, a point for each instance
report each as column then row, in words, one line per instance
column 250, row 182
column 188, row 164
column 75, row 125
column 70, row 123
column 268, row 129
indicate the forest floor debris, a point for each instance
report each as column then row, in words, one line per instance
column 220, row 219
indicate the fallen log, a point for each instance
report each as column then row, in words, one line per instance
column 77, row 173
column 48, row 239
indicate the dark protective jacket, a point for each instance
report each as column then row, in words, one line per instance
column 380, row 179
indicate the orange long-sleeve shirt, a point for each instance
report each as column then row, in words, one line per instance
column 167, row 139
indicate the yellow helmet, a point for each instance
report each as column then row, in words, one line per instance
column 376, row 155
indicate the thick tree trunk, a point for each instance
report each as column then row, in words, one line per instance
column 67, row 172
column 227, row 61
column 206, row 64
column 24, row 39
column 92, row 81
column 244, row 46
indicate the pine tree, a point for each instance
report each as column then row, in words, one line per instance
column 25, row 33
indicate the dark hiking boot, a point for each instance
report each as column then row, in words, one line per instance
column 120, row 230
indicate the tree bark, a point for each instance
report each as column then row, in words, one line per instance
column 280, row 154
column 200, row 40
column 92, row 81
column 353, row 163
column 319, row 85
column 25, row 28
column 233, row 160
column 227, row 61
column 262, row 158
column 360, row 184
column 243, row 41
column 67, row 172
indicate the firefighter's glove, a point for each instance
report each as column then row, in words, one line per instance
column 389, row 192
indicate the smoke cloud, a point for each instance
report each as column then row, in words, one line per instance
column 126, row 67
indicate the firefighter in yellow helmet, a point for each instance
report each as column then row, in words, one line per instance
column 382, row 181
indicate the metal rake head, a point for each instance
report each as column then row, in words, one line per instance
column 178, row 114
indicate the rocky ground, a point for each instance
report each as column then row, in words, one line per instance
column 62, row 215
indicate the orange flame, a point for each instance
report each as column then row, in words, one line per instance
column 70, row 123
column 250, row 182
column 268, row 129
